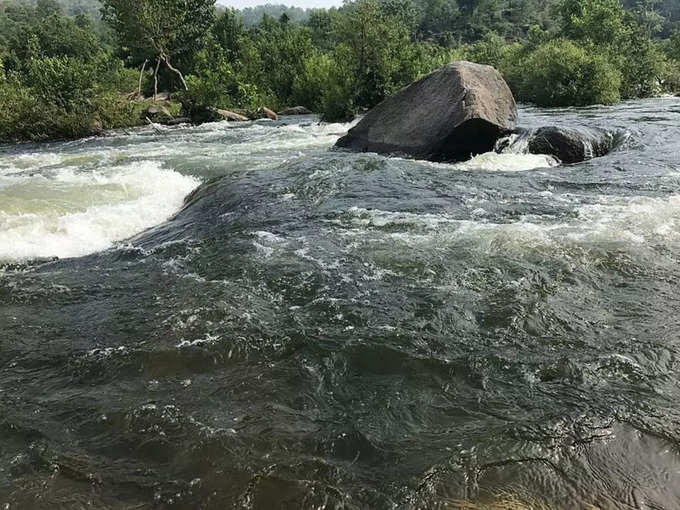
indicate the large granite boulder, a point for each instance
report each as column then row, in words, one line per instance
column 455, row 112
column 571, row 144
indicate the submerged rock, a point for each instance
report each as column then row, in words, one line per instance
column 175, row 121
column 455, row 112
column 295, row 110
column 571, row 145
column 157, row 112
column 263, row 113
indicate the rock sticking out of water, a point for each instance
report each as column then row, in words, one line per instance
column 566, row 144
column 571, row 145
column 462, row 110
column 451, row 114
column 295, row 110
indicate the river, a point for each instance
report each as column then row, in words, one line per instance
column 235, row 316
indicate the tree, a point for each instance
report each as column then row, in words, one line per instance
column 375, row 48
column 641, row 61
column 227, row 31
column 320, row 24
column 596, row 21
column 438, row 18
column 282, row 49
column 560, row 73
column 160, row 30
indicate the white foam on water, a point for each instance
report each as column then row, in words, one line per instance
column 379, row 218
column 628, row 221
column 507, row 162
column 495, row 162
column 67, row 213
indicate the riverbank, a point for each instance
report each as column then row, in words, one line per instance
column 125, row 111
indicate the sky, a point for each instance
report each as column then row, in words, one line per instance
column 239, row 4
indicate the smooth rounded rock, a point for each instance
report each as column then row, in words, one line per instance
column 571, row 144
column 451, row 114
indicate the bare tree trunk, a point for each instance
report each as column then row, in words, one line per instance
column 141, row 74
column 176, row 71
column 155, row 78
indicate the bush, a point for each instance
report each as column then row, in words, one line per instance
column 670, row 81
column 281, row 50
column 113, row 111
column 66, row 97
column 375, row 49
column 325, row 88
column 493, row 50
column 65, row 82
column 560, row 73
column 16, row 121
column 337, row 102
column 25, row 116
column 642, row 65
column 215, row 84
column 309, row 86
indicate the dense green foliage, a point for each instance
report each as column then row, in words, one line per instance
column 58, row 79
column 64, row 74
column 576, row 76
column 161, row 30
column 253, row 16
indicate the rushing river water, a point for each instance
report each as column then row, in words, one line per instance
column 235, row 316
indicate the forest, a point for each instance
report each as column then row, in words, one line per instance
column 72, row 69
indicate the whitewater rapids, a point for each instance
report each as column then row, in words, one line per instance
column 235, row 315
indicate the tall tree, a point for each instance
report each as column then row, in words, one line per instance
column 160, row 30
column 375, row 46
column 228, row 31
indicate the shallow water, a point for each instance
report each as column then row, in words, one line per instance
column 319, row 329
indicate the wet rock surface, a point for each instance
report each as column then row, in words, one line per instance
column 455, row 112
column 571, row 144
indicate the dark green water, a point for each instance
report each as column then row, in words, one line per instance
column 324, row 330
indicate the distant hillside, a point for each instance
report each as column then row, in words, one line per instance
column 74, row 7
column 508, row 17
column 461, row 20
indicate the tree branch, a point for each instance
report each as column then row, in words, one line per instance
column 141, row 73
column 155, row 78
column 167, row 63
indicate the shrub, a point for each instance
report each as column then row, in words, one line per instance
column 642, row 65
column 560, row 73
column 325, row 88
column 113, row 111
column 493, row 50
column 15, row 114
column 63, row 81
column 309, row 86
column 66, row 97
column 215, row 84
column 25, row 116
column 376, row 50
column 281, row 51
column 337, row 102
